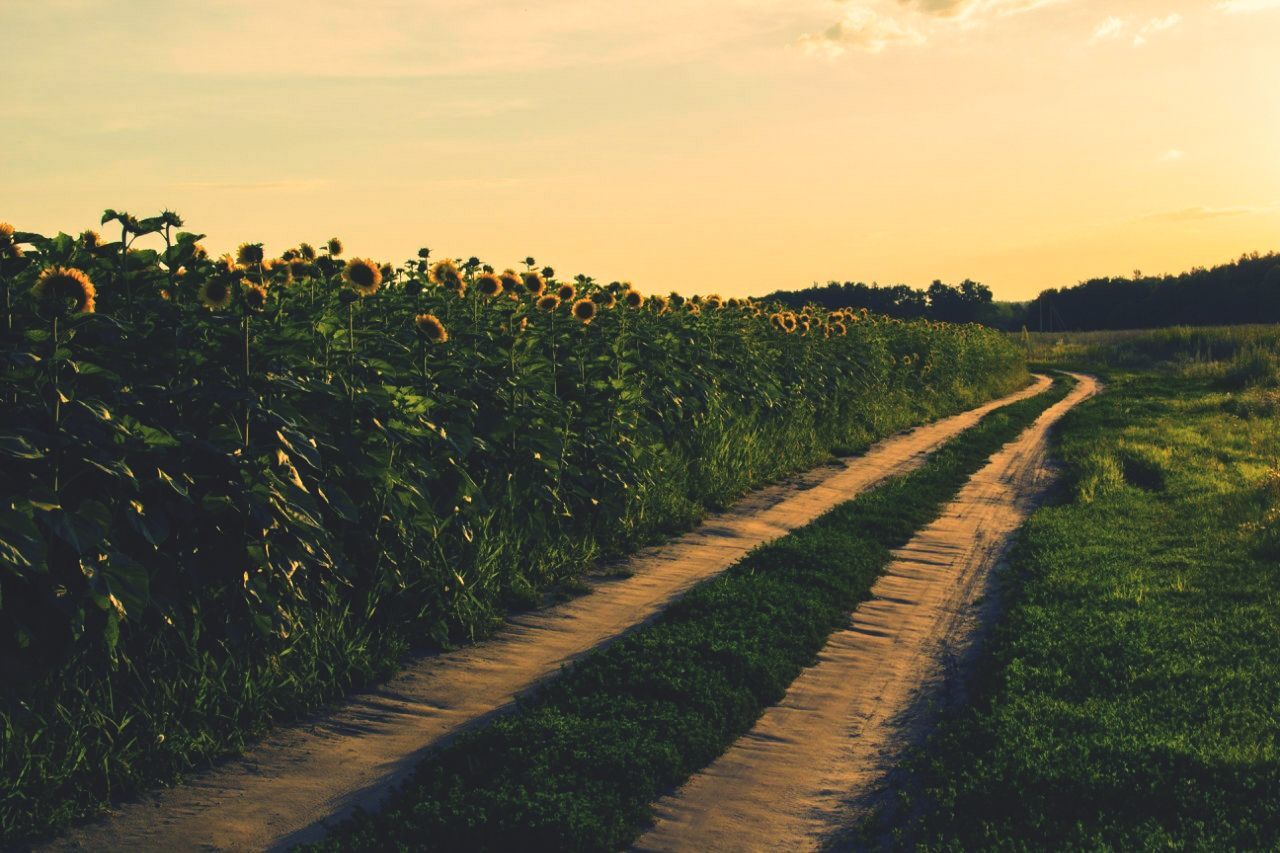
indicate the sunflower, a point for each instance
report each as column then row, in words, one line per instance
column 693, row 308
column 215, row 294
column 226, row 265
column 778, row 322
column 606, row 299
column 714, row 301
column 60, row 286
column 511, row 282
column 199, row 252
column 550, row 302
column 388, row 272
column 633, row 299
column 839, row 328
column 534, row 282
column 300, row 268
column 255, row 296
column 91, row 240
column 789, row 322
column 334, row 246
column 363, row 275
column 445, row 273
column 279, row 270
column 584, row 310
column 306, row 251
column 7, row 245
column 424, row 253
column 249, row 253
column 566, row 292
column 430, row 327
column 489, row 284
column 658, row 304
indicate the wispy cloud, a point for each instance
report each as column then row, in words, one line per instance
column 1111, row 28
column 861, row 28
column 1114, row 27
column 1156, row 25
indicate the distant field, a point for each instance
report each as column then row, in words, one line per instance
column 1140, row 348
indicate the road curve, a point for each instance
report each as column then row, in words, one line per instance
column 813, row 762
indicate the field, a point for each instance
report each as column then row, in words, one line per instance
column 235, row 488
column 240, row 494
column 1130, row 699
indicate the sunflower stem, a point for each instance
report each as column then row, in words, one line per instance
column 247, row 402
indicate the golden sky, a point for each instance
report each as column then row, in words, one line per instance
column 735, row 146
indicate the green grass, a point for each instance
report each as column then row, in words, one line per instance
column 576, row 767
column 1131, row 696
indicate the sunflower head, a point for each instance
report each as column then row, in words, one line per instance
column 363, row 275
column 226, row 265
column 789, row 322
column 249, row 253
column 511, row 282
column 566, row 292
column 534, row 282
column 776, row 320
column 334, row 246
column 445, row 273
column 692, row 307
column 388, row 272
column 424, row 253
column 584, row 310
column 606, row 299
column 90, row 240
column 489, row 284
column 839, row 328
column 7, row 245
column 306, row 251
column 65, row 289
column 215, row 294
column 550, row 302
column 279, row 270
column 633, row 299
column 714, row 302
column 300, row 268
column 658, row 304
column 430, row 328
column 254, row 295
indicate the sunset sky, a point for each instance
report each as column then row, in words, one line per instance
column 735, row 146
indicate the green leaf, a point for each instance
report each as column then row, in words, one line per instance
column 17, row 447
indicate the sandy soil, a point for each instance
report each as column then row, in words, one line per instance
column 813, row 764
column 284, row 790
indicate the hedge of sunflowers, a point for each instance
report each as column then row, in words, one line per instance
column 292, row 467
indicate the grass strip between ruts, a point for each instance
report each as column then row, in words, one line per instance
column 578, row 763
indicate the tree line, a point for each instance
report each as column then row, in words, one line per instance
column 1246, row 290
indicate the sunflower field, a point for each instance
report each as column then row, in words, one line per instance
column 232, row 488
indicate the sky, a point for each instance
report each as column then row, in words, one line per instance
column 730, row 146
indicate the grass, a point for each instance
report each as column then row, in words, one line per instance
column 579, row 762
column 1131, row 695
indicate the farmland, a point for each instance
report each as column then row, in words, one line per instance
column 237, row 487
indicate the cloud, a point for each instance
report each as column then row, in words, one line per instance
column 1235, row 6
column 1111, row 28
column 861, row 28
column 1156, row 25
column 967, row 9
column 1114, row 27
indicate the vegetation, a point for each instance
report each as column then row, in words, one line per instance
column 232, row 488
column 967, row 302
column 1244, row 291
column 1131, row 692
column 577, row 766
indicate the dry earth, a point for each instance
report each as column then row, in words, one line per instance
column 813, row 764
column 284, row 791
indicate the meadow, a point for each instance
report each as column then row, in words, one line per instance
column 1130, row 695
column 233, row 488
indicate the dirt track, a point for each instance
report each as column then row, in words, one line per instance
column 813, row 763
column 285, row 789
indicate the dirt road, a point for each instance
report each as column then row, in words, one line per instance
column 813, row 763
column 284, row 790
